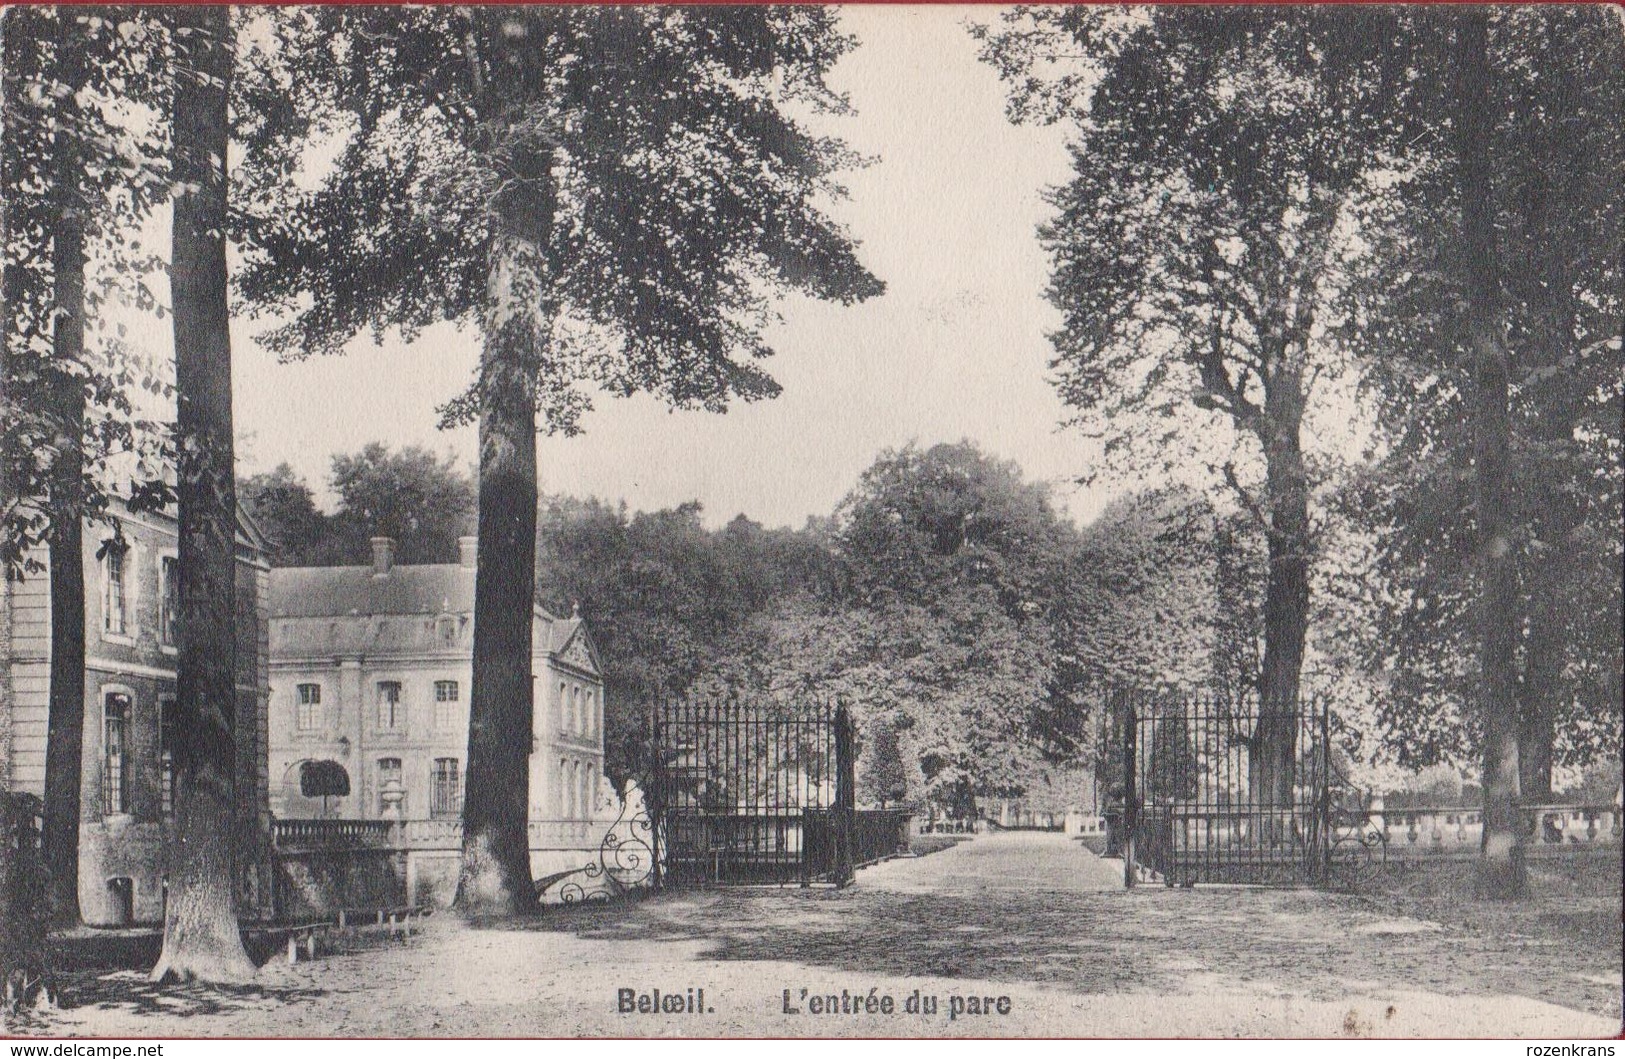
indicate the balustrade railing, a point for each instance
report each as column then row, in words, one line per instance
column 1429, row 829
column 332, row 834
column 424, row 834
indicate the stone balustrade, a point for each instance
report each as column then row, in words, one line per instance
column 290, row 835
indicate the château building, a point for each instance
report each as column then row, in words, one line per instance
column 371, row 668
column 126, row 804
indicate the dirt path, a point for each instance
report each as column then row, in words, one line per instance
column 1034, row 919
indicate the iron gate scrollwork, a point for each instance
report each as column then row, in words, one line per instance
column 1357, row 843
column 753, row 794
column 625, row 860
column 1218, row 791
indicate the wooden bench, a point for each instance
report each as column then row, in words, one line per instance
column 306, row 933
column 401, row 919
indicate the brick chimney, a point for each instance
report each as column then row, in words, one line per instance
column 383, row 555
column 467, row 551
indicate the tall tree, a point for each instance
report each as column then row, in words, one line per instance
column 65, row 718
column 1516, row 148
column 201, row 934
column 1214, row 151
column 1472, row 120
column 609, row 195
column 75, row 176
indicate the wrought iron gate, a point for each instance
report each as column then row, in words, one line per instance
column 753, row 794
column 1222, row 792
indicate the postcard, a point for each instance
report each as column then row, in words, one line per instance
column 849, row 521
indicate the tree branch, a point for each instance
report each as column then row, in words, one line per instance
column 1247, row 500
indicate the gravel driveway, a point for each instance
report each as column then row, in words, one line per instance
column 1015, row 934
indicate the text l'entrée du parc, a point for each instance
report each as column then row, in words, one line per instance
column 797, row 1001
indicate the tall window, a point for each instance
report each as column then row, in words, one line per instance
column 113, row 601
column 445, row 703
column 308, row 713
column 448, row 789
column 169, row 600
column 391, row 715
column 166, row 754
column 575, row 707
column 116, row 753
column 390, row 777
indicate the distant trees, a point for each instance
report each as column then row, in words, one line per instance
column 423, row 501
column 934, row 607
column 285, row 510
column 959, row 568
column 667, row 599
column 936, row 603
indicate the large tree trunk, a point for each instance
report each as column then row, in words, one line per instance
column 1538, row 693
column 65, row 717
column 7, row 699
column 1501, row 865
column 1273, row 747
column 495, row 876
column 201, row 935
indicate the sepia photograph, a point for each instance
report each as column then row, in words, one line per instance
column 812, row 521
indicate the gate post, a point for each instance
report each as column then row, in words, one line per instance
column 1325, row 762
column 1131, row 811
column 657, row 795
column 845, row 796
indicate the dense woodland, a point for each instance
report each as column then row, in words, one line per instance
column 1352, row 277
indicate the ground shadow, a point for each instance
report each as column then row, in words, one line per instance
column 1151, row 940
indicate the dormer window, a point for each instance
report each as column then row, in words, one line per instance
column 445, row 629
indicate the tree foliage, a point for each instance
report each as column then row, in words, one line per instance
column 1556, row 164
column 1214, row 152
column 612, row 195
column 649, row 154
column 75, row 165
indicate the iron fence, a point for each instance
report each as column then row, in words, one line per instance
column 1225, row 792
column 752, row 793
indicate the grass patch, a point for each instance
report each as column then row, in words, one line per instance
column 1575, row 899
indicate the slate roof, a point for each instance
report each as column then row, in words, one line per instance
column 339, row 591
column 349, row 609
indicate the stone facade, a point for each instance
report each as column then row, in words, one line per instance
column 125, row 800
column 371, row 669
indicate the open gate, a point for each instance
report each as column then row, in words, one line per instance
column 1222, row 792
column 753, row 794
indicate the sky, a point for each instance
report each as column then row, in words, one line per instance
column 956, row 348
